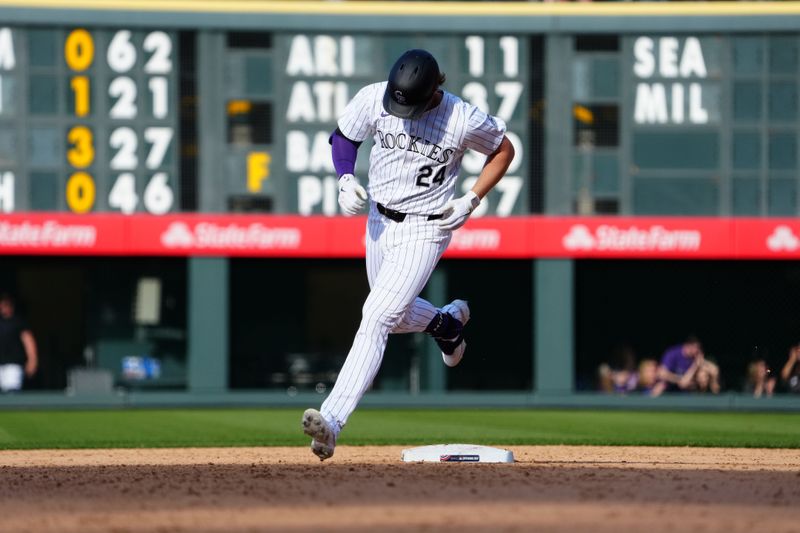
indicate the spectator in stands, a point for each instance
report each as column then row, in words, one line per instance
column 648, row 382
column 790, row 373
column 17, row 347
column 760, row 381
column 676, row 361
column 620, row 375
column 702, row 376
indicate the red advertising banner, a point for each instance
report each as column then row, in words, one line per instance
column 317, row 236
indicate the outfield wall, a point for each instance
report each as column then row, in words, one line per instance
column 169, row 215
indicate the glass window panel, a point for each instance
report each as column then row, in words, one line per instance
column 676, row 196
column 249, row 39
column 605, row 77
column 598, row 173
column 596, row 125
column 581, row 68
column 234, row 74
column 249, row 122
column 441, row 48
column 782, row 197
column 680, row 149
column 783, row 55
column 258, row 75
column 746, row 196
column 606, row 174
column 44, row 95
column 748, row 55
column 43, row 48
column 8, row 95
column 45, row 146
column 8, row 146
column 747, row 100
column 597, row 43
column 44, row 191
column 783, row 101
column 365, row 57
column 712, row 56
column 782, row 151
column 395, row 46
column 746, row 150
column 581, row 171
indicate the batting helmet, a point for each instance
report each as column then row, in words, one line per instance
column 412, row 83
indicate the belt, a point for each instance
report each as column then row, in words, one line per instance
column 397, row 216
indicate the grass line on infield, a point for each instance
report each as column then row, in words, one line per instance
column 145, row 428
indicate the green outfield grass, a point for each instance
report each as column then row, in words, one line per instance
column 281, row 427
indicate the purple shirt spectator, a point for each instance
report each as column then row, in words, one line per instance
column 674, row 360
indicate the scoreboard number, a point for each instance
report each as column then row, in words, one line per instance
column 158, row 87
column 79, row 50
column 80, row 86
column 160, row 44
column 80, row 192
column 121, row 55
column 124, row 90
column 125, row 141
column 158, row 196
column 81, row 153
column 160, row 139
column 123, row 194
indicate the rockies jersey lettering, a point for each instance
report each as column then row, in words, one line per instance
column 414, row 163
column 418, row 145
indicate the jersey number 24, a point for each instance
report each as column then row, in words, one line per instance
column 425, row 173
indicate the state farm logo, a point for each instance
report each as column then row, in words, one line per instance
column 578, row 238
column 609, row 237
column 210, row 235
column 178, row 235
column 783, row 239
column 48, row 234
column 475, row 239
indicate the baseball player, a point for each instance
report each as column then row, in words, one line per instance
column 421, row 132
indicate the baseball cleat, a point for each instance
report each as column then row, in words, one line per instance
column 316, row 427
column 453, row 349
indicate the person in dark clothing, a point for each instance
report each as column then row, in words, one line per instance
column 790, row 373
column 17, row 347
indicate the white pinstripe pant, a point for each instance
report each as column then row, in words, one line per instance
column 400, row 259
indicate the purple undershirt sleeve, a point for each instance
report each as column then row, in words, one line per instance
column 344, row 152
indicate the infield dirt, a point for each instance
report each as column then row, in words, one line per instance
column 549, row 488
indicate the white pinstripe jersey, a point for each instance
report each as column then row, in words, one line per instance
column 414, row 164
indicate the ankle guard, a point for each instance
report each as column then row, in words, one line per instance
column 444, row 326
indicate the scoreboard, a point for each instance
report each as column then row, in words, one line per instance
column 283, row 94
column 91, row 119
column 88, row 120
column 215, row 112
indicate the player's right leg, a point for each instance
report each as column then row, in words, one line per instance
column 403, row 274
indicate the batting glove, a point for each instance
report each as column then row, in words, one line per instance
column 457, row 211
column 352, row 196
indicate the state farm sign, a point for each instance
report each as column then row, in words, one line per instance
column 206, row 235
column 632, row 238
column 531, row 237
column 46, row 234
